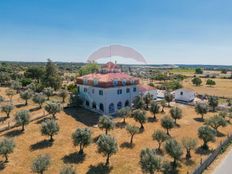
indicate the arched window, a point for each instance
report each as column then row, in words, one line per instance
column 101, row 106
column 115, row 82
column 111, row 108
column 94, row 105
column 119, row 105
column 87, row 103
column 124, row 82
column 127, row 103
column 95, row 82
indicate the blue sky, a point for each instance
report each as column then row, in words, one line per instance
column 163, row 31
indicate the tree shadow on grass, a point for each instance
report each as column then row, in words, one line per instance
column 14, row 133
column 120, row 125
column 41, row 145
column 2, row 165
column 198, row 119
column 34, row 109
column 220, row 134
column 159, row 152
column 99, row 169
column 84, row 116
column 74, row 158
column 189, row 162
column 20, row 105
column 152, row 120
column 200, row 150
column 127, row 145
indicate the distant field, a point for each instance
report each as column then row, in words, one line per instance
column 222, row 88
column 183, row 71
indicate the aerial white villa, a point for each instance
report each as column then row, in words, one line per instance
column 108, row 90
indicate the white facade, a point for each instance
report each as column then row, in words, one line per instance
column 107, row 100
column 184, row 95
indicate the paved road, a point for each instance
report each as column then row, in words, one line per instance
column 225, row 167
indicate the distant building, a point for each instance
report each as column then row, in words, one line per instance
column 107, row 91
column 184, row 95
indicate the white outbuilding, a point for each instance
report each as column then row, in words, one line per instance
column 184, row 95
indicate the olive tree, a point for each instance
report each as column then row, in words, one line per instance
column 106, row 122
column 41, row 163
column 196, row 81
column 6, row 147
column 173, row 149
column 63, row 94
column 207, row 134
column 1, row 99
column 68, row 170
column 160, row 136
column 215, row 122
column 163, row 104
column 50, row 128
column 168, row 97
column 22, row 118
column 202, row 109
column 48, row 92
column 154, row 108
column 138, row 102
column 39, row 99
column 147, row 99
column 124, row 113
column 213, row 102
column 139, row 116
column 16, row 85
column 10, row 93
column 176, row 113
column 107, row 145
column 167, row 123
column 189, row 144
column 150, row 162
column 132, row 130
column 81, row 137
column 7, row 109
column 26, row 95
column 53, row 108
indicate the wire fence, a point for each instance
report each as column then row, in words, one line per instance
column 204, row 164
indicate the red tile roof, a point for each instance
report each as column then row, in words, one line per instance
column 144, row 88
column 106, row 80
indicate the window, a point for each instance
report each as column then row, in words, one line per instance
column 111, row 108
column 127, row 90
column 132, row 82
column 127, row 103
column 119, row 105
column 134, row 89
column 94, row 105
column 124, row 82
column 100, row 92
column 115, row 82
column 87, row 103
column 85, row 81
column 101, row 106
column 95, row 82
column 85, row 89
column 181, row 93
column 119, row 91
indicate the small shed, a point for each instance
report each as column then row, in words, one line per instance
column 184, row 95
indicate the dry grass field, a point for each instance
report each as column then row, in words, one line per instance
column 32, row 143
column 223, row 87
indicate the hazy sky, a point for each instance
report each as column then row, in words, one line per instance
column 163, row 31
